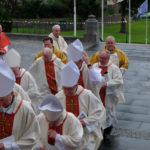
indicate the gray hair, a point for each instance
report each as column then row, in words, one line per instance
column 105, row 51
column 55, row 26
column 47, row 50
column 110, row 37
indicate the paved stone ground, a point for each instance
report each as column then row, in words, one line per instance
column 133, row 128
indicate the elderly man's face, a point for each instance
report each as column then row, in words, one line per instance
column 110, row 43
column 16, row 70
column 54, row 123
column 6, row 100
column 47, row 56
column 79, row 63
column 48, row 44
column 103, row 58
column 70, row 91
column 56, row 32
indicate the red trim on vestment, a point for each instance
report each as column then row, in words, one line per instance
column 18, row 79
column 102, row 91
column 80, row 81
column 72, row 104
column 50, row 75
column 6, row 123
column 58, row 129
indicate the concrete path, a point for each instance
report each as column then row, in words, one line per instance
column 133, row 128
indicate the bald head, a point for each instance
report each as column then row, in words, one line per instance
column 56, row 30
column 104, row 57
column 47, row 54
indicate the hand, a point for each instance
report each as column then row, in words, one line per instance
column 2, row 146
column 85, row 57
column 104, row 85
column 52, row 134
column 83, row 123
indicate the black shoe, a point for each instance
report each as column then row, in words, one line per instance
column 107, row 138
column 106, row 134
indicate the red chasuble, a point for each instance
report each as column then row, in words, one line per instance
column 102, row 91
column 6, row 123
column 4, row 41
column 50, row 74
column 58, row 129
column 18, row 79
column 80, row 81
column 72, row 104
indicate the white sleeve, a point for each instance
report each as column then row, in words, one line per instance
column 59, row 143
column 91, row 126
column 95, row 75
column 11, row 146
column 23, row 94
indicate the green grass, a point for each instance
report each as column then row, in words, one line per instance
column 71, row 33
column 30, row 30
column 138, row 29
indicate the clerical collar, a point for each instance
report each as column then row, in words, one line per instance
column 104, row 65
column 9, row 108
column 112, row 51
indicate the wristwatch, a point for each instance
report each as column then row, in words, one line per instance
column 89, row 65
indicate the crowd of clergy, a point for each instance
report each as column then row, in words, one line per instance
column 66, row 100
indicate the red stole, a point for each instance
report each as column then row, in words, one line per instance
column 72, row 104
column 50, row 74
column 18, row 79
column 6, row 123
column 58, row 129
column 102, row 91
column 4, row 41
column 80, row 81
